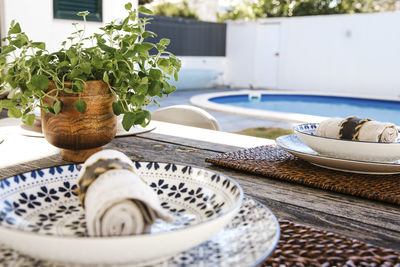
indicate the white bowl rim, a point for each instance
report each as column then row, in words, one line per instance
column 296, row 129
column 124, row 238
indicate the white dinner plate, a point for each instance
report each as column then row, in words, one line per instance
column 40, row 214
column 292, row 144
column 347, row 149
column 247, row 240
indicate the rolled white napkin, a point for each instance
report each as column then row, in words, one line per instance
column 369, row 130
column 374, row 131
column 329, row 128
column 116, row 200
column 118, row 203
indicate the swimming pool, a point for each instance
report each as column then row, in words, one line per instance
column 299, row 106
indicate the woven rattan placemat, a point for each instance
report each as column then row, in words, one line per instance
column 305, row 246
column 274, row 162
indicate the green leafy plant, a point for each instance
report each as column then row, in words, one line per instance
column 181, row 10
column 118, row 55
column 254, row 9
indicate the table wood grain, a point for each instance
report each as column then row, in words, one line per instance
column 370, row 221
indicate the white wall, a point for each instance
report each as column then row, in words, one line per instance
column 240, row 53
column 36, row 19
column 338, row 53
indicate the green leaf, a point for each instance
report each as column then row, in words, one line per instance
column 155, row 74
column 168, row 88
column 74, row 61
column 143, row 86
column 28, row 119
column 63, row 64
column 125, row 22
column 7, row 103
column 132, row 15
column 165, row 65
column 68, row 90
column 117, row 108
column 128, row 6
column 128, row 120
column 2, row 60
column 105, row 77
column 106, row 48
column 47, row 108
column 57, row 106
column 97, row 63
column 147, row 34
column 26, row 111
column 135, row 30
column 17, row 43
column 143, row 47
column 163, row 62
column 75, row 73
column 165, row 41
column 80, row 106
column 7, row 49
column 144, row 10
column 83, row 13
column 14, row 112
column 79, row 85
column 85, row 67
column 140, row 117
column 147, row 118
column 14, row 28
column 71, row 54
column 155, row 88
column 176, row 76
column 160, row 47
column 137, row 100
column 40, row 81
column 175, row 62
column 39, row 45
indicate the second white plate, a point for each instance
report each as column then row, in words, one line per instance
column 292, row 144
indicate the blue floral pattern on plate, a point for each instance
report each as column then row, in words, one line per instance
column 43, row 202
column 194, row 195
column 246, row 241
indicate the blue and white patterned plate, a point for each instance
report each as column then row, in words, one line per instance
column 246, row 241
column 292, row 144
column 41, row 216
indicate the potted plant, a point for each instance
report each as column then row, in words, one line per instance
column 83, row 86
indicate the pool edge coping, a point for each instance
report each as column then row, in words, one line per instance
column 202, row 101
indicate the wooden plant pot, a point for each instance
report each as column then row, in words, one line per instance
column 80, row 135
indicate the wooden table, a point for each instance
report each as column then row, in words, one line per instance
column 369, row 221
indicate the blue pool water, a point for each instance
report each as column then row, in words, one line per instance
column 317, row 105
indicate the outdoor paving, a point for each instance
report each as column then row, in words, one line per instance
column 227, row 122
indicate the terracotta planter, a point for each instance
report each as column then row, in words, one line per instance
column 80, row 135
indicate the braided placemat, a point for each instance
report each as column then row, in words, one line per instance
column 274, row 162
column 305, row 246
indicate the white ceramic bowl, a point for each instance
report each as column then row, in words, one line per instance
column 346, row 149
column 41, row 216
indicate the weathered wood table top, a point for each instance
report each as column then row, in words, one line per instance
column 370, row 221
